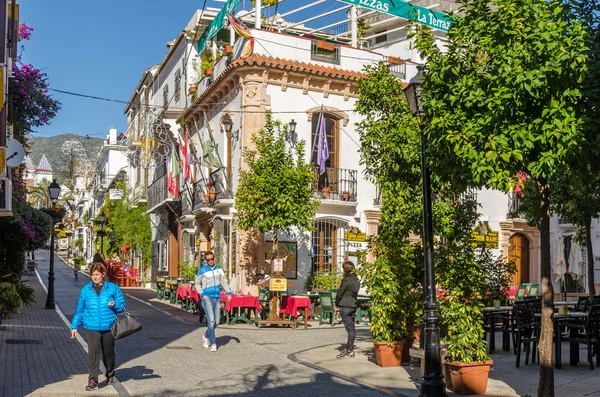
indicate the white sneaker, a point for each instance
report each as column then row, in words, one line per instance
column 213, row 348
column 205, row 342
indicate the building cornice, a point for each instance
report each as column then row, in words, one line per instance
column 283, row 72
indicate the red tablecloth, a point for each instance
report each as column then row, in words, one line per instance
column 291, row 304
column 241, row 301
column 187, row 290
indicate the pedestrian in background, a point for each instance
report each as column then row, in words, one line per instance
column 346, row 301
column 97, row 308
column 209, row 280
column 98, row 257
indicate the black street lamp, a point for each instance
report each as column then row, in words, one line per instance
column 101, row 232
column 53, row 192
column 433, row 383
column 292, row 136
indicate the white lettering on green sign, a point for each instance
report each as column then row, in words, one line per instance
column 216, row 24
column 405, row 10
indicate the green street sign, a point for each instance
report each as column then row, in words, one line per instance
column 216, row 24
column 405, row 10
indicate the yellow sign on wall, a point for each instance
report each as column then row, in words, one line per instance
column 483, row 235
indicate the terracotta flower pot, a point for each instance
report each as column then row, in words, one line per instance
column 192, row 89
column 325, row 192
column 205, row 196
column 228, row 49
column 212, row 194
column 208, row 72
column 469, row 378
column 346, row 195
column 388, row 356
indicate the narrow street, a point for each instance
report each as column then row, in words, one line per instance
column 167, row 359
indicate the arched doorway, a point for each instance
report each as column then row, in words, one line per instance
column 518, row 251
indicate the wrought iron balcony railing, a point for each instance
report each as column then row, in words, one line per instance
column 378, row 199
column 158, row 192
column 514, row 207
column 336, row 184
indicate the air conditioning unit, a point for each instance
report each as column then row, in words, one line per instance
column 5, row 197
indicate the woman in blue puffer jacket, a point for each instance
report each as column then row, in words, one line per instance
column 97, row 308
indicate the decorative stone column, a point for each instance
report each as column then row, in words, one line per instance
column 373, row 217
column 254, row 103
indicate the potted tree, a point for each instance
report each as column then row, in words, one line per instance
column 386, row 279
column 461, row 276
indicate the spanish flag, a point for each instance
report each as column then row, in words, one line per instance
column 244, row 32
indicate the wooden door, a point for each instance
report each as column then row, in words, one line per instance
column 518, row 251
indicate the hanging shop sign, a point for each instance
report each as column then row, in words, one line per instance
column 216, row 24
column 115, row 194
column 355, row 234
column 483, row 236
column 405, row 10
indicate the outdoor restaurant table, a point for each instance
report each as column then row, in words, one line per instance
column 489, row 314
column 291, row 304
column 573, row 346
column 565, row 303
column 187, row 294
column 240, row 302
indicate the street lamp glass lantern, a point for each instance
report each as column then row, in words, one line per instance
column 292, row 131
column 413, row 93
column 227, row 124
column 101, row 219
column 54, row 190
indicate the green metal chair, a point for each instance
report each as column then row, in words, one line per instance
column 326, row 302
column 521, row 292
column 160, row 287
column 263, row 300
column 532, row 290
column 334, row 292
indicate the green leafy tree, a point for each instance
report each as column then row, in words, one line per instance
column 500, row 100
column 275, row 192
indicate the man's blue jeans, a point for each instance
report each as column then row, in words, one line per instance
column 212, row 308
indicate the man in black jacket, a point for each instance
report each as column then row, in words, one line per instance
column 346, row 301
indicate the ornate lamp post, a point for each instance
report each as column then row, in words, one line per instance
column 53, row 192
column 292, row 136
column 433, row 383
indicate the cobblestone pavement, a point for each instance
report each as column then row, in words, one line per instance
column 37, row 356
column 167, row 359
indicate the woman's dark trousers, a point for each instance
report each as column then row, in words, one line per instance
column 100, row 340
column 348, row 316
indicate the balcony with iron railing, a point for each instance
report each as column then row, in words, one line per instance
column 515, row 210
column 158, row 193
column 336, row 184
column 213, row 192
column 378, row 199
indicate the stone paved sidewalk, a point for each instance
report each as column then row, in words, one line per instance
column 37, row 356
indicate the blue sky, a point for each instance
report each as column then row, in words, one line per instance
column 101, row 48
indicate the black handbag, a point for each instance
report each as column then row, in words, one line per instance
column 125, row 327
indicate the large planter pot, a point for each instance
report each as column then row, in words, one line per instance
column 469, row 378
column 388, row 356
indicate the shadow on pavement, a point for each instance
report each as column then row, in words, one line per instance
column 266, row 381
column 138, row 372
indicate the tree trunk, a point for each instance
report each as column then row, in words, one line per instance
column 590, row 258
column 546, row 379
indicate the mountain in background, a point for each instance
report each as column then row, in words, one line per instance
column 52, row 148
